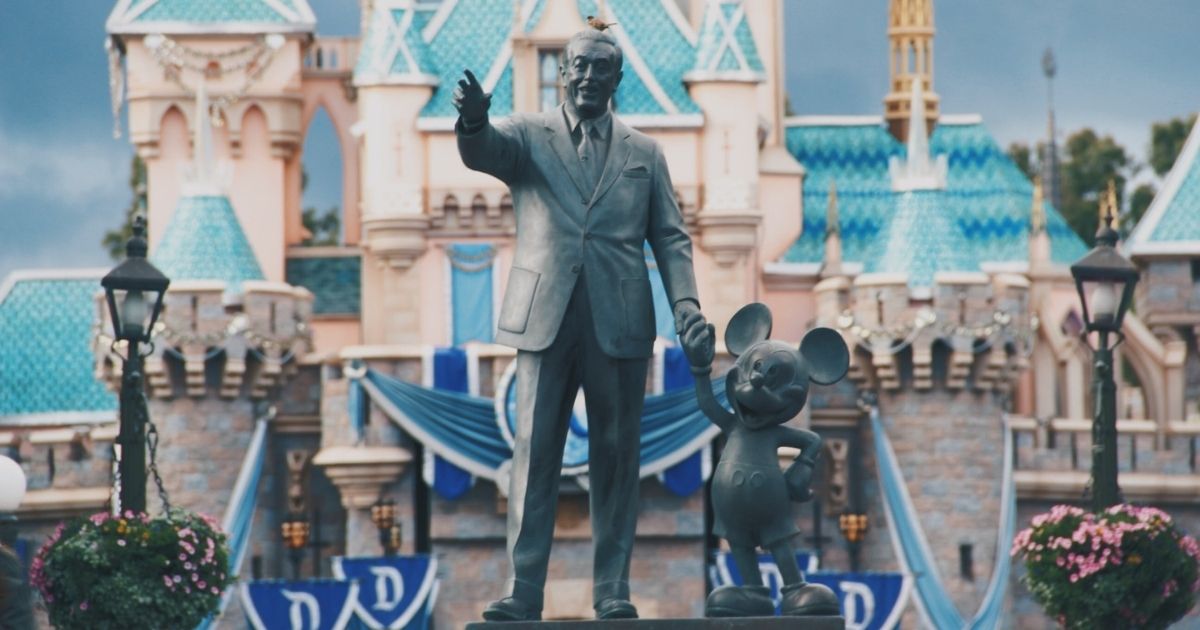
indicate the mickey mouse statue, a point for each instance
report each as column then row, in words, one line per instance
column 767, row 386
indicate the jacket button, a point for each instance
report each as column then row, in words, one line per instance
column 576, row 268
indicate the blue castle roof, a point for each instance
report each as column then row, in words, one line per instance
column 211, row 16
column 441, row 40
column 1171, row 225
column 393, row 50
column 725, row 48
column 204, row 241
column 46, row 328
column 982, row 215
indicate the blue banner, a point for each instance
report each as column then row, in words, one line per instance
column 299, row 604
column 870, row 601
column 394, row 591
column 450, row 374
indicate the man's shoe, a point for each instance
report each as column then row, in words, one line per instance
column 613, row 608
column 739, row 601
column 511, row 609
column 804, row 600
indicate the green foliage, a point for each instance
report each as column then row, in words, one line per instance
column 114, row 240
column 1166, row 141
column 1128, row 567
column 323, row 229
column 1022, row 156
column 1138, row 202
column 105, row 572
column 1091, row 161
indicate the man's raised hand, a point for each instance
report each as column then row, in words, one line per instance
column 470, row 100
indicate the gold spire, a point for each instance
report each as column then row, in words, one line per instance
column 910, row 52
column 1109, row 206
column 1037, row 214
column 832, row 223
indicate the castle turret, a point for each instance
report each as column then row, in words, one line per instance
column 724, row 82
column 395, row 79
column 910, row 65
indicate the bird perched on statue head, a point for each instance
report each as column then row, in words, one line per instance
column 598, row 24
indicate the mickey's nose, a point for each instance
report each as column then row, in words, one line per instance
column 756, row 378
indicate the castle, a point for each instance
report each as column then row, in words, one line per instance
column 910, row 232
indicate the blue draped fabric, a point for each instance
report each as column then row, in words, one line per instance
column 450, row 374
column 687, row 476
column 463, row 428
column 355, row 402
column 664, row 317
column 471, row 291
column 916, row 558
column 239, row 516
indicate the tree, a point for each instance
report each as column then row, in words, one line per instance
column 1138, row 202
column 114, row 240
column 1091, row 160
column 1166, row 141
column 1022, row 156
column 324, row 228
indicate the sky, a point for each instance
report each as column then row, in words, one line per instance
column 1121, row 66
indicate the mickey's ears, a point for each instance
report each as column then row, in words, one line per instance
column 827, row 356
column 750, row 325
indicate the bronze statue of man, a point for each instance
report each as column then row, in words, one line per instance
column 587, row 192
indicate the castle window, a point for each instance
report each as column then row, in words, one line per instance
column 550, row 90
column 1195, row 270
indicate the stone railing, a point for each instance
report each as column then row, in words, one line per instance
column 331, row 56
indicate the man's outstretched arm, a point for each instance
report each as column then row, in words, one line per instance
column 493, row 149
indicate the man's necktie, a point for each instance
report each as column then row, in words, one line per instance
column 589, row 154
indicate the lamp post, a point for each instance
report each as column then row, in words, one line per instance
column 12, row 490
column 854, row 528
column 383, row 515
column 1105, row 282
column 134, row 290
column 295, row 531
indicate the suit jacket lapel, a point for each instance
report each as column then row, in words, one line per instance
column 618, row 153
column 560, row 141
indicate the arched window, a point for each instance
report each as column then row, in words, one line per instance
column 321, row 181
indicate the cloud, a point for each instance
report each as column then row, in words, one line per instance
column 57, row 198
column 60, row 171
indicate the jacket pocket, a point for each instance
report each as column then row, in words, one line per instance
column 518, row 299
column 639, row 308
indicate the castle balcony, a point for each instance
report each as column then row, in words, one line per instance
column 1053, row 459
column 969, row 330
column 331, row 57
column 211, row 339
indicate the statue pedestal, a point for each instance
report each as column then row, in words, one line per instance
column 743, row 623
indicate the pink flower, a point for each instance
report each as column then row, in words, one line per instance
column 195, row 577
column 120, row 542
column 176, row 578
column 168, row 581
column 201, row 584
column 83, row 606
column 215, row 591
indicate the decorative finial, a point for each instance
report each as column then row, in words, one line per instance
column 1109, row 206
column 135, row 247
column 598, row 24
column 832, row 223
column 1037, row 214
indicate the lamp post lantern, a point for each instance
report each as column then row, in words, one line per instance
column 853, row 526
column 1105, row 282
column 383, row 515
column 134, row 291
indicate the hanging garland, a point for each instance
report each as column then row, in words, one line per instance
column 471, row 262
column 926, row 318
column 254, row 58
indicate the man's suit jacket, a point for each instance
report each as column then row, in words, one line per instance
column 565, row 231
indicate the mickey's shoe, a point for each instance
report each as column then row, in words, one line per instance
column 804, row 600
column 739, row 601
